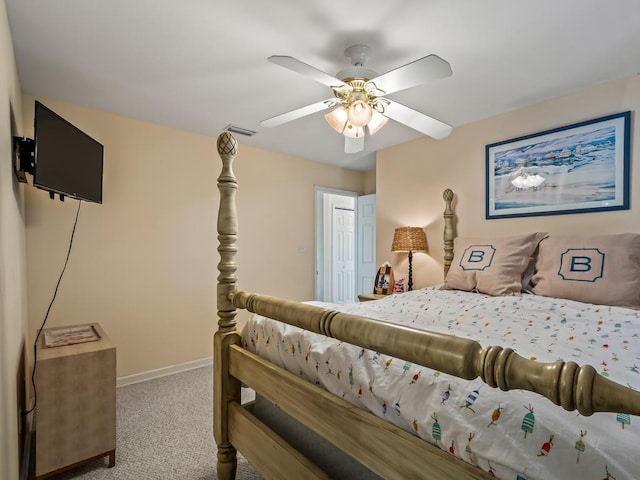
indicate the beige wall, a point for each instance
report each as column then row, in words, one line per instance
column 143, row 263
column 370, row 182
column 13, row 312
column 412, row 177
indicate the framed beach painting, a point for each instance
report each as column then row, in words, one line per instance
column 578, row 168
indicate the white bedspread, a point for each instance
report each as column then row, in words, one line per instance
column 514, row 435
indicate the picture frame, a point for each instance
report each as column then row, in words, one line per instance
column 578, row 168
column 58, row 337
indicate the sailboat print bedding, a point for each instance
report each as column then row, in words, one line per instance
column 514, row 435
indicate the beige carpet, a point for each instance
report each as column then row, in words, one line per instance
column 164, row 431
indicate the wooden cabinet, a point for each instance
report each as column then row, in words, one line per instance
column 76, row 404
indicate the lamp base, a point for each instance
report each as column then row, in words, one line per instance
column 410, row 284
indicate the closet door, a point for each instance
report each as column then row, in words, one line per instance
column 366, row 243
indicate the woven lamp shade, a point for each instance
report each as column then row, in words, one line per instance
column 409, row 239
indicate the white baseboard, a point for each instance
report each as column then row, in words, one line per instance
column 162, row 372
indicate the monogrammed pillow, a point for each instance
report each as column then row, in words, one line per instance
column 491, row 265
column 602, row 269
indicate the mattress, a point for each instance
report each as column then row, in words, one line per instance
column 515, row 435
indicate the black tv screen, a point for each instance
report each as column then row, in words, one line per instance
column 67, row 160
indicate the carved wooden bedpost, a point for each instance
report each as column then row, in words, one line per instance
column 449, row 231
column 225, row 388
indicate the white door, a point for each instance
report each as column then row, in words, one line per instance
column 343, row 254
column 366, row 244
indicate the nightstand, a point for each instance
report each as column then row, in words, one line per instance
column 367, row 297
column 76, row 409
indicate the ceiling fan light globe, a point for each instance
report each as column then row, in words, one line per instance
column 377, row 122
column 360, row 113
column 353, row 131
column 337, row 118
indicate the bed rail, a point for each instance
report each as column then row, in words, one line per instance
column 391, row 453
column 566, row 384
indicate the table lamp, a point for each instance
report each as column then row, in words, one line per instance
column 409, row 239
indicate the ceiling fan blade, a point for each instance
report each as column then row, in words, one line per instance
column 307, row 70
column 416, row 120
column 298, row 113
column 353, row 145
column 418, row 72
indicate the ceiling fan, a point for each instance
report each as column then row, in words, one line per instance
column 359, row 96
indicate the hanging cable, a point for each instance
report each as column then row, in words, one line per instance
column 46, row 316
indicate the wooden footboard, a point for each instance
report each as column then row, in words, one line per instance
column 391, row 452
column 564, row 383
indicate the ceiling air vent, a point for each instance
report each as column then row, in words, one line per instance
column 239, row 130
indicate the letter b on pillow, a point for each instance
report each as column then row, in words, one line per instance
column 477, row 257
column 581, row 264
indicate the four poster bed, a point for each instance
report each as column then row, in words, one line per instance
column 411, row 387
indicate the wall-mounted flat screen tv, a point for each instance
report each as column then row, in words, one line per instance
column 67, row 160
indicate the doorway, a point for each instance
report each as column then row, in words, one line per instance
column 345, row 236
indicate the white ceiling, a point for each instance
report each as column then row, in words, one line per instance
column 199, row 65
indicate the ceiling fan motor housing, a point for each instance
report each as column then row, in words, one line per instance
column 358, row 54
column 356, row 73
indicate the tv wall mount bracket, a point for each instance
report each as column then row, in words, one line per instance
column 24, row 157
